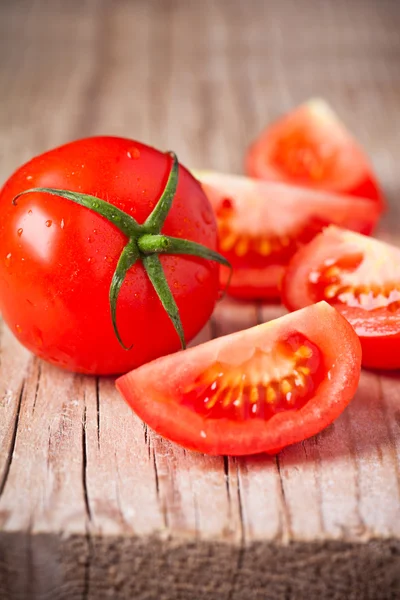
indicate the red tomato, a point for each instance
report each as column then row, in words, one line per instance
column 257, row 390
column 310, row 147
column 261, row 225
column 58, row 258
column 360, row 276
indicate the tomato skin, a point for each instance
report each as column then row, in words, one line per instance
column 57, row 259
column 310, row 147
column 381, row 352
column 368, row 188
column 378, row 329
column 154, row 390
column 253, row 284
column 250, row 209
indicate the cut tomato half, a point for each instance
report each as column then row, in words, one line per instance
column 262, row 224
column 311, row 147
column 253, row 391
column 360, row 276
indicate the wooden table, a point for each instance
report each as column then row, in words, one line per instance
column 92, row 504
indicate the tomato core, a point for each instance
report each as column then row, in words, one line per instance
column 326, row 284
column 269, row 382
column 259, row 250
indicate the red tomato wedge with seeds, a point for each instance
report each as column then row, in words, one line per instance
column 360, row 276
column 257, row 390
column 311, row 147
column 262, row 224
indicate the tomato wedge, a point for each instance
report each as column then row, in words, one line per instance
column 257, row 390
column 311, row 147
column 262, row 224
column 360, row 276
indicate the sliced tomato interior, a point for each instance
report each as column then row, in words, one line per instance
column 261, row 225
column 360, row 276
column 251, row 389
column 257, row 390
column 311, row 147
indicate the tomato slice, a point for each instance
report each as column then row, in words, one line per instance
column 254, row 391
column 262, row 224
column 311, row 147
column 360, row 276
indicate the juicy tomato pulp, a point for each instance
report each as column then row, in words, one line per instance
column 57, row 259
column 247, row 391
column 311, row 147
column 360, row 276
column 261, row 225
column 253, row 391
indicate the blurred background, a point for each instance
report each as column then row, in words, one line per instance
column 199, row 77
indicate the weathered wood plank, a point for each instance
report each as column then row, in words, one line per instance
column 94, row 505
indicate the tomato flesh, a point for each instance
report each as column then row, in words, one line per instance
column 57, row 259
column 361, row 278
column 261, row 225
column 247, row 391
column 310, row 147
column 253, row 391
column 257, row 250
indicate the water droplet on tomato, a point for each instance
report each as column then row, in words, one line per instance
column 207, row 217
column 94, row 230
column 8, row 259
column 108, row 259
column 62, row 224
column 49, row 223
column 176, row 285
column 18, row 328
column 20, row 231
column 133, row 153
column 89, row 259
column 90, row 239
column 29, row 177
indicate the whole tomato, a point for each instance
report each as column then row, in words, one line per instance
column 58, row 259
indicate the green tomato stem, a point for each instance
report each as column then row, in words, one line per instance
column 129, row 256
column 156, row 219
column 119, row 218
column 156, row 275
column 163, row 244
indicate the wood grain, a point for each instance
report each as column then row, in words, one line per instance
column 94, row 505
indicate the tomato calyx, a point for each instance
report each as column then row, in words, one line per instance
column 145, row 243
